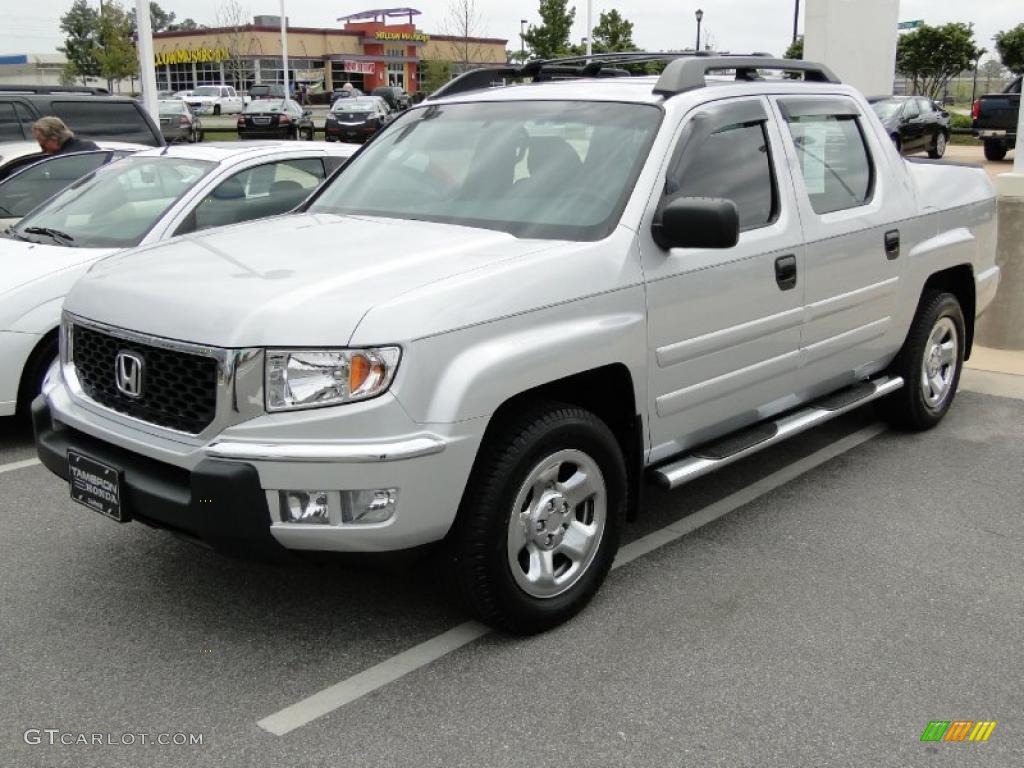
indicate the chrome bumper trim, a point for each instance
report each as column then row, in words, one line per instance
column 351, row 453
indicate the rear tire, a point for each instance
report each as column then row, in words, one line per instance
column 540, row 519
column 938, row 146
column 994, row 149
column 930, row 363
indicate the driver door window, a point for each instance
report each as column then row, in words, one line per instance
column 254, row 193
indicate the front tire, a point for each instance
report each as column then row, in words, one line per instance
column 994, row 149
column 938, row 146
column 38, row 364
column 540, row 520
column 930, row 363
column 216, row 109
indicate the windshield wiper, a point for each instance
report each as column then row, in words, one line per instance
column 54, row 234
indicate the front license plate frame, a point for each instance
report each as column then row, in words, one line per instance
column 96, row 485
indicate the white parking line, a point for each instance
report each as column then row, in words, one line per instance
column 18, row 465
column 357, row 686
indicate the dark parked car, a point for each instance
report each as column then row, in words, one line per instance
column 281, row 119
column 178, row 123
column 396, row 97
column 995, row 118
column 914, row 123
column 271, row 91
column 357, row 119
column 97, row 117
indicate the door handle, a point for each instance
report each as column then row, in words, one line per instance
column 892, row 244
column 785, row 272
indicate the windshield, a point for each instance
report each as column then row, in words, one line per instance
column 206, row 90
column 116, row 206
column 546, row 169
column 887, row 108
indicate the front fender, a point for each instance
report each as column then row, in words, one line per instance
column 469, row 373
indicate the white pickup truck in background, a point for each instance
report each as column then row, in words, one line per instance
column 216, row 100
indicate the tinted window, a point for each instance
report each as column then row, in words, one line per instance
column 10, row 127
column 733, row 163
column 27, row 119
column 834, row 161
column 102, row 119
column 254, row 193
column 32, row 186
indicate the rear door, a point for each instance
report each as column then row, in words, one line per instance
column 724, row 325
column 853, row 208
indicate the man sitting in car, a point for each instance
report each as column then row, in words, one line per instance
column 55, row 138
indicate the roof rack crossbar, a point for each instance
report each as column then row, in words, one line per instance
column 686, row 70
column 687, row 74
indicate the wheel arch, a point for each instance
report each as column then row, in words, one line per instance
column 33, row 358
column 959, row 281
column 607, row 392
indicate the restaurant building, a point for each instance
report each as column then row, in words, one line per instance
column 370, row 49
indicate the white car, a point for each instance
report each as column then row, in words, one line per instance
column 143, row 199
column 215, row 100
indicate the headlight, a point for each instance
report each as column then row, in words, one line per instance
column 310, row 378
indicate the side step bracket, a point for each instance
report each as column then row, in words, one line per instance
column 707, row 458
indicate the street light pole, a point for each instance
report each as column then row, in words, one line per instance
column 590, row 27
column 700, row 18
column 522, row 40
column 796, row 19
column 284, row 49
column 147, row 66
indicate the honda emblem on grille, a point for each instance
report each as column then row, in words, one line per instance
column 128, row 370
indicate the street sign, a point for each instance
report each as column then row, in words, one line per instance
column 910, row 24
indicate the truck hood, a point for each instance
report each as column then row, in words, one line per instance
column 303, row 280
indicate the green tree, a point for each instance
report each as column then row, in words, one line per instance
column 796, row 49
column 612, row 33
column 164, row 21
column 116, row 57
column 932, row 56
column 1010, row 47
column 434, row 73
column 81, row 25
column 551, row 38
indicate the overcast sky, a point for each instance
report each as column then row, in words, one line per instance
column 734, row 25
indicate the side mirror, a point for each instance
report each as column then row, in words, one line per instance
column 697, row 222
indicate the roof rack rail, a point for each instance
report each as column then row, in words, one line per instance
column 685, row 70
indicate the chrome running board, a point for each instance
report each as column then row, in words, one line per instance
column 707, row 459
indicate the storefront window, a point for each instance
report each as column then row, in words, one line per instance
column 396, row 69
column 208, row 73
column 181, row 77
column 339, row 77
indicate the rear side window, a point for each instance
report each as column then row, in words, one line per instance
column 10, row 126
column 102, row 119
column 834, row 161
column 733, row 163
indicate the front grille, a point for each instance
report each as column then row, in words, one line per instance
column 179, row 389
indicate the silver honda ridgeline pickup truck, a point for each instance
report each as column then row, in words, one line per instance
column 512, row 308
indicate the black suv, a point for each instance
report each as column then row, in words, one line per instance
column 110, row 118
column 396, row 97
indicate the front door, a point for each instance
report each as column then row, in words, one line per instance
column 724, row 325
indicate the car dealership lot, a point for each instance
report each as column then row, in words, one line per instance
column 866, row 583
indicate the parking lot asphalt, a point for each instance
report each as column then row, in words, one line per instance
column 865, row 583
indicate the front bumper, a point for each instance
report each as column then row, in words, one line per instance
column 362, row 446
column 218, row 502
